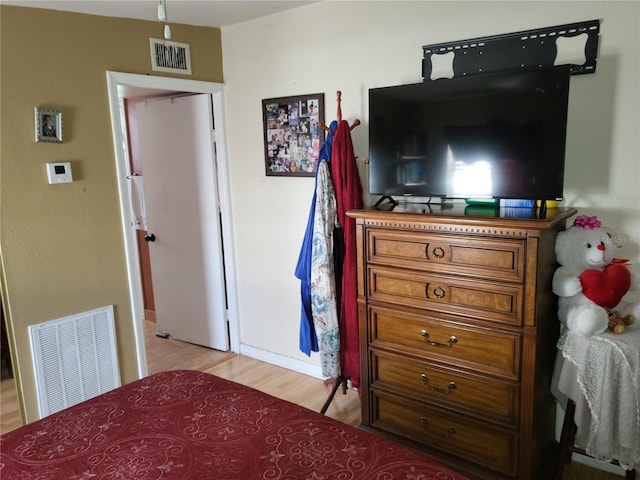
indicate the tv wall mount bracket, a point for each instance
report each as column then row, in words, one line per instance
column 575, row 44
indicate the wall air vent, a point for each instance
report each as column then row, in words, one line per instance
column 74, row 358
column 172, row 57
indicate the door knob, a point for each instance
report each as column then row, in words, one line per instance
column 150, row 238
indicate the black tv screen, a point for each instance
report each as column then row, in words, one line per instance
column 499, row 135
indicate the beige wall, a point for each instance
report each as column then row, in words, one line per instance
column 356, row 45
column 62, row 247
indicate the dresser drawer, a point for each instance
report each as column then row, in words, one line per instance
column 482, row 397
column 495, row 302
column 486, row 445
column 500, row 259
column 443, row 339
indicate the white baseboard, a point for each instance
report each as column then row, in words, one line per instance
column 282, row 361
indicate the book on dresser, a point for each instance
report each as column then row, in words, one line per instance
column 458, row 328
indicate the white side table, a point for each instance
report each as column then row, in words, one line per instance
column 597, row 379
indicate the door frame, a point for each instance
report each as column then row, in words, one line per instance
column 118, row 84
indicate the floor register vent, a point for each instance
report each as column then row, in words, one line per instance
column 75, row 359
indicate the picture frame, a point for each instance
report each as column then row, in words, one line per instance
column 48, row 125
column 292, row 134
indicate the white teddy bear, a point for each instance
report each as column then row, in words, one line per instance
column 590, row 282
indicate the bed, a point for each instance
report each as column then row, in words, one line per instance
column 185, row 424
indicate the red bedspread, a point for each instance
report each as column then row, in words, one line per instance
column 192, row 425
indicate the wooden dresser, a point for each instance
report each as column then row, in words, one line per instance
column 457, row 333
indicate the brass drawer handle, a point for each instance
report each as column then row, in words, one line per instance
column 447, row 434
column 425, row 380
column 452, row 340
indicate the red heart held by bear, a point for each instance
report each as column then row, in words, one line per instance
column 607, row 287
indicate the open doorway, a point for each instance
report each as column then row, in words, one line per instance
column 121, row 86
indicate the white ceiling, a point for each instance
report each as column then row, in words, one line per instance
column 206, row 13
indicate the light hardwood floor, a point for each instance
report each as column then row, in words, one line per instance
column 169, row 354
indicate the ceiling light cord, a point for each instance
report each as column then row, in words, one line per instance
column 162, row 16
column 162, row 12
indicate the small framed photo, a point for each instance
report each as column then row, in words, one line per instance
column 292, row 134
column 48, row 125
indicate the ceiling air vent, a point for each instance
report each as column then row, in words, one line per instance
column 172, row 57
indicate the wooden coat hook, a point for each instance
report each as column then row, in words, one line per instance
column 355, row 123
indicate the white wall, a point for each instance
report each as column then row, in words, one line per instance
column 353, row 46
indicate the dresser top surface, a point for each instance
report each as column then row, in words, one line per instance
column 514, row 217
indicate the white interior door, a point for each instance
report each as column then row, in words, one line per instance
column 180, row 189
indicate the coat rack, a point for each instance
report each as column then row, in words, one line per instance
column 324, row 126
column 341, row 380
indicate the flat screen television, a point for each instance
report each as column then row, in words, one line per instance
column 498, row 135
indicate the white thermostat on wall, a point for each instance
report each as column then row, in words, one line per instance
column 59, row 172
